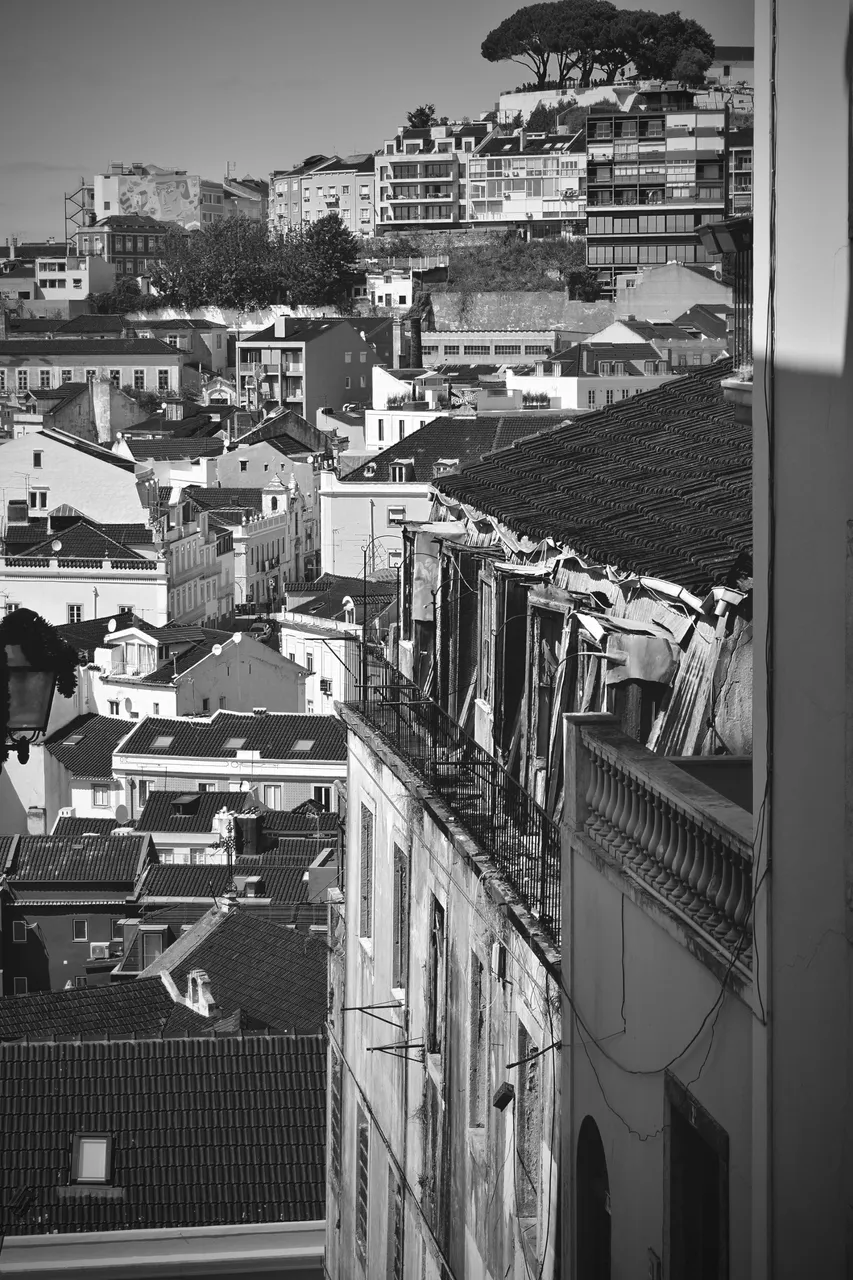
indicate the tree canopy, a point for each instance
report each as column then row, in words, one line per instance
column 506, row 263
column 581, row 36
column 422, row 117
column 235, row 263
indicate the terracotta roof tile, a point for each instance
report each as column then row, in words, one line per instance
column 93, row 860
column 242, row 1119
column 86, row 744
column 275, row 735
column 143, row 1008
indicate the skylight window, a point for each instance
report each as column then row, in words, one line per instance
column 73, row 740
column 162, row 741
column 304, row 744
column 91, row 1158
column 233, row 744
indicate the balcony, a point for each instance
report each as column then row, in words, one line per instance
column 682, row 841
column 515, row 833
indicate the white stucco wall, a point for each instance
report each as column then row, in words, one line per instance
column 98, row 489
column 353, row 514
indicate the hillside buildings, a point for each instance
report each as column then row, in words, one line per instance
column 654, row 174
column 531, row 183
column 421, row 177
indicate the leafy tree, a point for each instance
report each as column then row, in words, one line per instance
column 125, row 296
column 580, row 31
column 662, row 39
column 317, row 259
column 422, row 117
column 506, row 263
column 525, row 37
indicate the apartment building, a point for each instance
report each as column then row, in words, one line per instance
column 422, row 179
column 341, row 185
column 42, row 364
column 739, row 153
column 528, row 182
column 164, row 195
column 306, row 365
column 285, row 198
column 131, row 242
column 592, row 375
column 654, row 175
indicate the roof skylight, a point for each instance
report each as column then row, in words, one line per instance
column 162, row 741
column 233, row 744
column 304, row 744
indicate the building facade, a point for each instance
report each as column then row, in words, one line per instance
column 130, row 242
column 532, row 183
column 421, row 177
column 653, row 176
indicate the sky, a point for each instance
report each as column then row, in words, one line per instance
column 261, row 83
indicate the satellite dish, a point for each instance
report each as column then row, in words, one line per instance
column 216, row 650
column 121, row 813
column 237, row 637
column 56, row 545
column 111, row 625
column 128, row 705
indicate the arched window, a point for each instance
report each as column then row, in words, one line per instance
column 274, row 503
column 593, row 1207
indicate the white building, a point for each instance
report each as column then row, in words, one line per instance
column 51, row 468
column 592, row 375
column 328, row 652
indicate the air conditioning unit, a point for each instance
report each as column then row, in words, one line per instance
column 99, row 951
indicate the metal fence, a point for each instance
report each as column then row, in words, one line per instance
column 502, row 818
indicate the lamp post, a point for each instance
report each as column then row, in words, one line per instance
column 34, row 662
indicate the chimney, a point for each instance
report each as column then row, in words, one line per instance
column 17, row 511
column 248, row 834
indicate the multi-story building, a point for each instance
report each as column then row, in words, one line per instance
column 42, row 364
column 535, row 183
column 343, row 185
column 132, row 242
column 739, row 149
column 306, row 365
column 654, row 174
column 164, row 195
column 458, row 785
column 421, row 176
column 303, row 756
column 285, row 200
column 592, row 375
column 205, row 341
column 64, row 277
column 49, row 469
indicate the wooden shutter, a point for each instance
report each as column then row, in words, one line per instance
column 400, row 974
column 362, row 1177
column 366, row 884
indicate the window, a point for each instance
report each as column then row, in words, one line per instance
column 205, row 705
column 478, row 1072
column 347, row 383
column 476, row 349
column 365, row 927
column 400, row 937
column 222, row 702
column 19, row 930
column 115, row 377
column 2, row 379
column 394, row 1234
column 207, row 786
column 362, row 1172
column 436, row 980
column 75, row 613
column 272, row 796
column 23, row 379
column 347, row 357
column 37, row 457
column 44, row 379
column 139, row 379
column 38, row 500
column 81, row 980
column 152, row 947
column 335, row 1091
column 503, row 349
column 20, row 986
column 528, row 1126
column 309, row 659
column 65, row 375
column 380, row 428
column 590, row 399
column 80, row 930
column 608, row 397
column 142, row 788
column 91, row 1157
column 323, row 796
column 396, row 515
column 116, row 930
column 162, row 379
column 362, row 382
column 398, row 473
column 362, row 355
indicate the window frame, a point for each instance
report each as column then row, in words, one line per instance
column 75, row 1178
column 367, row 852
column 75, row 921
column 19, row 926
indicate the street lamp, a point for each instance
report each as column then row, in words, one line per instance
column 34, row 661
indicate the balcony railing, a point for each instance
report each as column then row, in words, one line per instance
column 683, row 840
column 518, row 835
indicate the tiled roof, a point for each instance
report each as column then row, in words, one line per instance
column 459, row 439
column 165, row 448
column 287, row 445
column 85, row 746
column 188, row 811
column 220, row 499
column 74, row 828
column 204, row 1131
column 659, row 484
column 300, row 823
column 275, row 735
column 534, row 311
column 181, row 662
column 279, row 976
column 88, row 447
column 711, row 321
column 309, row 330
column 90, row 633
column 67, row 349
column 142, row 1009
column 83, row 541
column 582, row 359
column 89, row 860
column 95, row 324
column 182, row 322
column 22, row 324
column 281, row 877
column 329, row 591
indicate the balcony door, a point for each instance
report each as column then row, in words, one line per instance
column 593, row 1207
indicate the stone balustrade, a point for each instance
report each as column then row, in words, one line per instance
column 678, row 836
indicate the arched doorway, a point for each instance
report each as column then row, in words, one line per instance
column 593, row 1205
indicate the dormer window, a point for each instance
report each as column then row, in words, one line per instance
column 619, row 369
column 605, row 369
column 399, row 472
column 91, row 1158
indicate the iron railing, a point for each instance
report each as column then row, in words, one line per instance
column 742, row 345
column 515, row 832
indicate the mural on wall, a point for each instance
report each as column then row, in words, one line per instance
column 162, row 196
